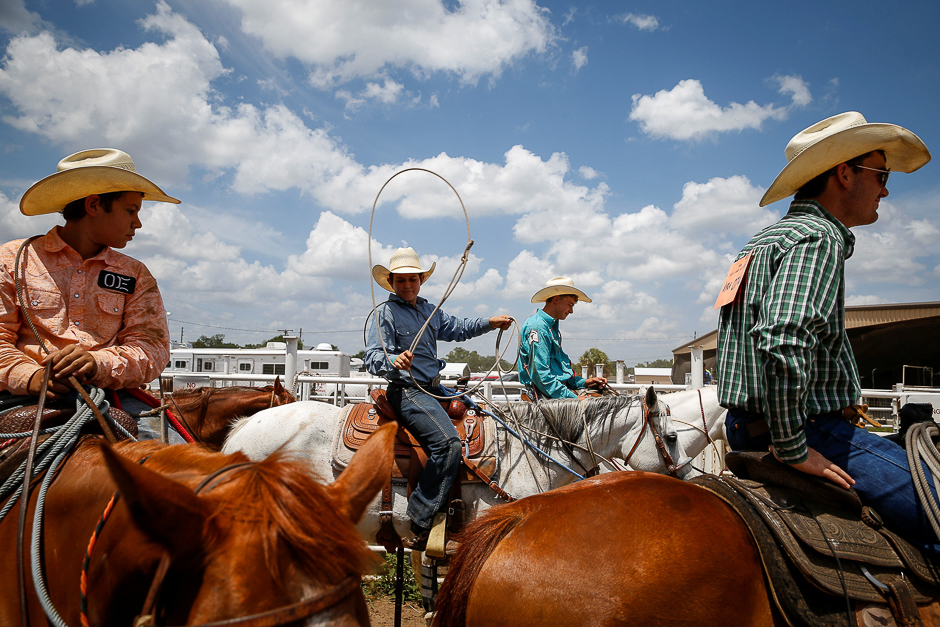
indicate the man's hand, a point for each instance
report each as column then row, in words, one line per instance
column 54, row 390
column 596, row 382
column 72, row 361
column 500, row 322
column 819, row 466
column 403, row 361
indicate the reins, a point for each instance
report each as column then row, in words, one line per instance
column 667, row 458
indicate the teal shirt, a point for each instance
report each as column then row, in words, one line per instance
column 542, row 362
column 782, row 345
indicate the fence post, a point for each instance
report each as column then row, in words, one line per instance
column 698, row 367
column 290, row 362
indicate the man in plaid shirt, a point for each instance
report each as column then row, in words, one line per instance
column 786, row 369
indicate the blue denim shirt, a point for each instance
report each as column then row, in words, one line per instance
column 542, row 362
column 400, row 323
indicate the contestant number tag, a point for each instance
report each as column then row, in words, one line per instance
column 733, row 281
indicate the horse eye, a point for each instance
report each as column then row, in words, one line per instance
column 672, row 438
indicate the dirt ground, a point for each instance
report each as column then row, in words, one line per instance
column 382, row 613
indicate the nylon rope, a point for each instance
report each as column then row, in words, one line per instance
column 920, row 448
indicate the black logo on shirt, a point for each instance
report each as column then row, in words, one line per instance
column 117, row 282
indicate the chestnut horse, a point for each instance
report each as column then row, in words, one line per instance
column 618, row 549
column 234, row 538
column 208, row 413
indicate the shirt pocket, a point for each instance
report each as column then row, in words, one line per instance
column 46, row 309
column 110, row 315
column 404, row 336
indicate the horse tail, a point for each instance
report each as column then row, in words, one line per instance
column 477, row 543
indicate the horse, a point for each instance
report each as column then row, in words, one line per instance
column 615, row 425
column 189, row 536
column 208, row 413
column 615, row 549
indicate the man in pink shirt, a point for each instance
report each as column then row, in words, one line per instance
column 69, row 298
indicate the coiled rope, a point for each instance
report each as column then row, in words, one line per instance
column 920, row 448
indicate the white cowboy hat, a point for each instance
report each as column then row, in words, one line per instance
column 835, row 140
column 85, row 173
column 557, row 286
column 403, row 261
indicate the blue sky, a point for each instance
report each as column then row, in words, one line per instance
column 624, row 144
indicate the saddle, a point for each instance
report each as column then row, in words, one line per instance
column 410, row 457
column 20, row 420
column 821, row 546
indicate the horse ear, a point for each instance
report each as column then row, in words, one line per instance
column 167, row 511
column 650, row 397
column 278, row 388
column 367, row 473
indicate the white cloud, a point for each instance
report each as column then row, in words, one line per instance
column 360, row 39
column 642, row 22
column 888, row 251
column 723, row 206
column 15, row 18
column 685, row 113
column 579, row 58
column 795, row 86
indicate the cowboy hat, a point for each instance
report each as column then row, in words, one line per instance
column 86, row 173
column 835, row 140
column 558, row 286
column 403, row 261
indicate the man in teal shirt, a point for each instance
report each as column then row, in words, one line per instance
column 543, row 366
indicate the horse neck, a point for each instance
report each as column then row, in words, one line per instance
column 218, row 409
column 605, row 435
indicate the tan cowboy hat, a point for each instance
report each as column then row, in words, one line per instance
column 403, row 261
column 85, row 173
column 558, row 286
column 835, row 140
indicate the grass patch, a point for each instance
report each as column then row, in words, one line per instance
column 384, row 585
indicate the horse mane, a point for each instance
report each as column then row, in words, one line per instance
column 477, row 542
column 285, row 505
column 565, row 417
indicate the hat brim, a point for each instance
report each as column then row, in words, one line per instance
column 557, row 290
column 904, row 152
column 382, row 275
column 53, row 193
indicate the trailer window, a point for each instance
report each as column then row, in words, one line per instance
column 319, row 365
column 272, row 369
column 244, row 367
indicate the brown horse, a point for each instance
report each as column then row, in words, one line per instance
column 623, row 548
column 208, row 413
column 234, row 538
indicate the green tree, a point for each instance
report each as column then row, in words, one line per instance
column 276, row 338
column 215, row 341
column 474, row 360
column 594, row 356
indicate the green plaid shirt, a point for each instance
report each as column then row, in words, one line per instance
column 782, row 346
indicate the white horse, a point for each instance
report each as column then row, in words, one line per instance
column 615, row 427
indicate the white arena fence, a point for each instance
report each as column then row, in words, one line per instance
column 883, row 404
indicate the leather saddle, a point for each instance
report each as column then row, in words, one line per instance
column 820, row 545
column 365, row 418
column 20, row 420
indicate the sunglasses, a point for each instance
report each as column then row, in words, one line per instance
column 882, row 174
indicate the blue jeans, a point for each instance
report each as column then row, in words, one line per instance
column 427, row 421
column 880, row 469
column 148, row 427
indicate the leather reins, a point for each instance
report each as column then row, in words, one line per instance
column 673, row 471
column 271, row 618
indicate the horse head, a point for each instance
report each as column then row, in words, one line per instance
column 253, row 537
column 653, row 444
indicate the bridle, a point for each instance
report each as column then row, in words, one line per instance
column 648, row 413
column 271, row 618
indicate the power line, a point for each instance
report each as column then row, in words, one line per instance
column 216, row 326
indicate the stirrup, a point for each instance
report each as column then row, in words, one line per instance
column 437, row 541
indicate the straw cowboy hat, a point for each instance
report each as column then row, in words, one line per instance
column 85, row 173
column 835, row 140
column 558, row 286
column 403, row 261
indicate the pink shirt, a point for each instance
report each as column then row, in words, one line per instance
column 110, row 305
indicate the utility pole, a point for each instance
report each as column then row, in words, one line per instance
column 181, row 335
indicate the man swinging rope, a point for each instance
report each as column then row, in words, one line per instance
column 399, row 321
